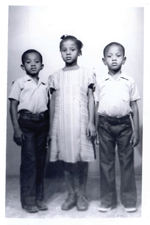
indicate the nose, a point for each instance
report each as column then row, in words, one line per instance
column 68, row 52
column 33, row 64
column 114, row 58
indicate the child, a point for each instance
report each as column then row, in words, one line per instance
column 72, row 121
column 118, row 123
column 29, row 99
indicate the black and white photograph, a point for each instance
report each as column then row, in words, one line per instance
column 76, row 113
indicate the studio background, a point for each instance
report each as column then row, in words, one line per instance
column 41, row 28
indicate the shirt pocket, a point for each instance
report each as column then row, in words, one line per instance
column 124, row 96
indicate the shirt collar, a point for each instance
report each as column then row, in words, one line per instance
column 122, row 75
column 28, row 78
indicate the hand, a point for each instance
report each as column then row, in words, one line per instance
column 94, row 87
column 48, row 141
column 97, row 139
column 18, row 136
column 91, row 131
column 135, row 139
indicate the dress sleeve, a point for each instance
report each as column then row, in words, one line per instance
column 92, row 80
column 51, row 83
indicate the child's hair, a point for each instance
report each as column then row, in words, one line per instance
column 113, row 43
column 31, row 51
column 70, row 37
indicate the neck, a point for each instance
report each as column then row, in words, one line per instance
column 71, row 67
column 114, row 75
column 74, row 63
column 35, row 77
column 114, row 72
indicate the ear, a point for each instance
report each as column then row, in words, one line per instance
column 80, row 52
column 22, row 66
column 124, row 60
column 42, row 66
column 104, row 61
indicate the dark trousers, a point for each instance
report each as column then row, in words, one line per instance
column 33, row 157
column 112, row 132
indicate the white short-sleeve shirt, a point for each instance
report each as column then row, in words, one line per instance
column 114, row 96
column 30, row 95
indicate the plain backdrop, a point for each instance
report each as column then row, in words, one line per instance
column 40, row 27
column 111, row 22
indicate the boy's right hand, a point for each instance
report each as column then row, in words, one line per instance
column 18, row 136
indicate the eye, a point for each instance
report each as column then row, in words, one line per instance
column 118, row 55
column 63, row 50
column 109, row 56
column 27, row 62
column 37, row 61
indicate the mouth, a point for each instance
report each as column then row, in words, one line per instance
column 33, row 69
column 68, row 58
column 114, row 64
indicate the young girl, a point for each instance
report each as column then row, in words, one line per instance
column 72, row 121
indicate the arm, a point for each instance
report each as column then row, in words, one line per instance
column 48, row 134
column 14, row 119
column 135, row 137
column 96, row 115
column 91, row 132
column 97, row 121
column 52, row 111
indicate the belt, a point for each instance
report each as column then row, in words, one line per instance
column 115, row 120
column 25, row 114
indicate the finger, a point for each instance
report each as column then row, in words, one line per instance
column 133, row 143
column 18, row 141
column 92, row 138
column 88, row 133
column 97, row 140
column 93, row 133
column 23, row 137
column 131, row 140
column 136, row 143
column 97, row 143
column 48, row 143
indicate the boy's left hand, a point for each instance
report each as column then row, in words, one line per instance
column 135, row 139
column 48, row 141
column 91, row 131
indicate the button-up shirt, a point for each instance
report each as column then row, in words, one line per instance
column 114, row 96
column 30, row 95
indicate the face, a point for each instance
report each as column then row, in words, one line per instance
column 32, row 64
column 69, row 52
column 114, row 58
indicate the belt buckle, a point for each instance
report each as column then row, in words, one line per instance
column 41, row 115
column 33, row 116
column 38, row 116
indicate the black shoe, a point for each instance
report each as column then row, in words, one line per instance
column 70, row 202
column 30, row 209
column 41, row 206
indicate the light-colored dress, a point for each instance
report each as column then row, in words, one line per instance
column 69, row 141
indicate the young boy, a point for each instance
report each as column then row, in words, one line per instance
column 117, row 122
column 29, row 100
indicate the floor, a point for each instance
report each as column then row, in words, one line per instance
column 55, row 193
